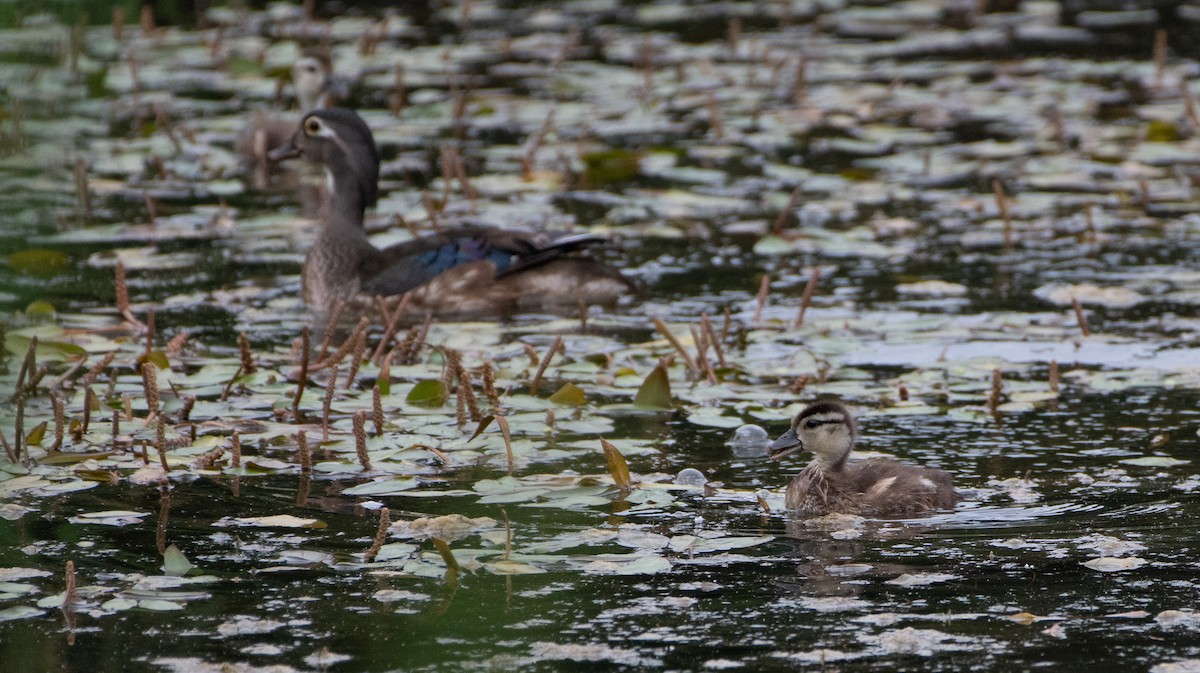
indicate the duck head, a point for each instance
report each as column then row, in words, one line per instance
column 826, row 429
column 340, row 140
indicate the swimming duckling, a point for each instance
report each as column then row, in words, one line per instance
column 466, row 269
column 315, row 86
column 830, row 484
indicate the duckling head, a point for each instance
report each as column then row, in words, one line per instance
column 314, row 81
column 826, row 429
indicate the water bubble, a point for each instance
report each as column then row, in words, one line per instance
column 690, row 476
column 750, row 435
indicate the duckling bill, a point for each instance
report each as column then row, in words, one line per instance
column 466, row 269
column 830, row 484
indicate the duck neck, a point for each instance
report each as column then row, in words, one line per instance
column 835, row 462
column 346, row 200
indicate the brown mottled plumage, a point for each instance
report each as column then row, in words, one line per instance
column 830, row 484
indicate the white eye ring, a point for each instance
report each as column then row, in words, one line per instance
column 315, row 128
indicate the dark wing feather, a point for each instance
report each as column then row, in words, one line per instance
column 409, row 265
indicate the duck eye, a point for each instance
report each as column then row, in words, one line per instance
column 312, row 126
column 811, row 423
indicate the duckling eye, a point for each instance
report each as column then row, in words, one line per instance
column 312, row 127
column 811, row 423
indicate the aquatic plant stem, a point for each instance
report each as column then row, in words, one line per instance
column 327, row 403
column 122, row 290
column 706, row 325
column 1080, row 317
column 360, row 439
column 793, row 201
column 1003, row 207
column 302, row 379
column 385, row 522
column 304, row 455
column 670, row 337
column 235, row 449
column 810, row 287
column 537, row 376
column 377, row 409
column 760, row 301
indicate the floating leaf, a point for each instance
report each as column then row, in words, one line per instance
column 428, row 393
column 617, row 466
column 19, row 612
column 1110, row 564
column 39, row 262
column 648, row 564
column 570, row 394
column 504, row 432
column 275, row 521
column 513, row 568
column 1153, row 461
column 159, row 359
column 655, row 392
column 382, row 487
column 37, row 434
column 921, row 579
column 604, row 167
column 39, row 309
column 175, row 563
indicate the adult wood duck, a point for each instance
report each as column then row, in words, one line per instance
column 467, row 269
column 832, row 485
column 315, row 86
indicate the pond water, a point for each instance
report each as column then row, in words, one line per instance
column 1000, row 216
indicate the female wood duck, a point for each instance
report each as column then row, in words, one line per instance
column 831, row 485
column 315, row 85
column 467, row 269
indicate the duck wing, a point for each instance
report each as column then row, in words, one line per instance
column 891, row 487
column 411, row 264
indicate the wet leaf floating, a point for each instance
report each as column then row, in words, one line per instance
column 504, row 431
column 428, row 393
column 175, row 563
column 1111, row 564
column 569, row 394
column 617, row 467
column 39, row 262
column 273, row 521
column 655, row 392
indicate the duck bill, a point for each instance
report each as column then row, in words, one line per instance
column 282, row 152
column 787, row 444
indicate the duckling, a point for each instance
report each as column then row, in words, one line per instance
column 830, row 484
column 315, row 85
column 466, row 269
